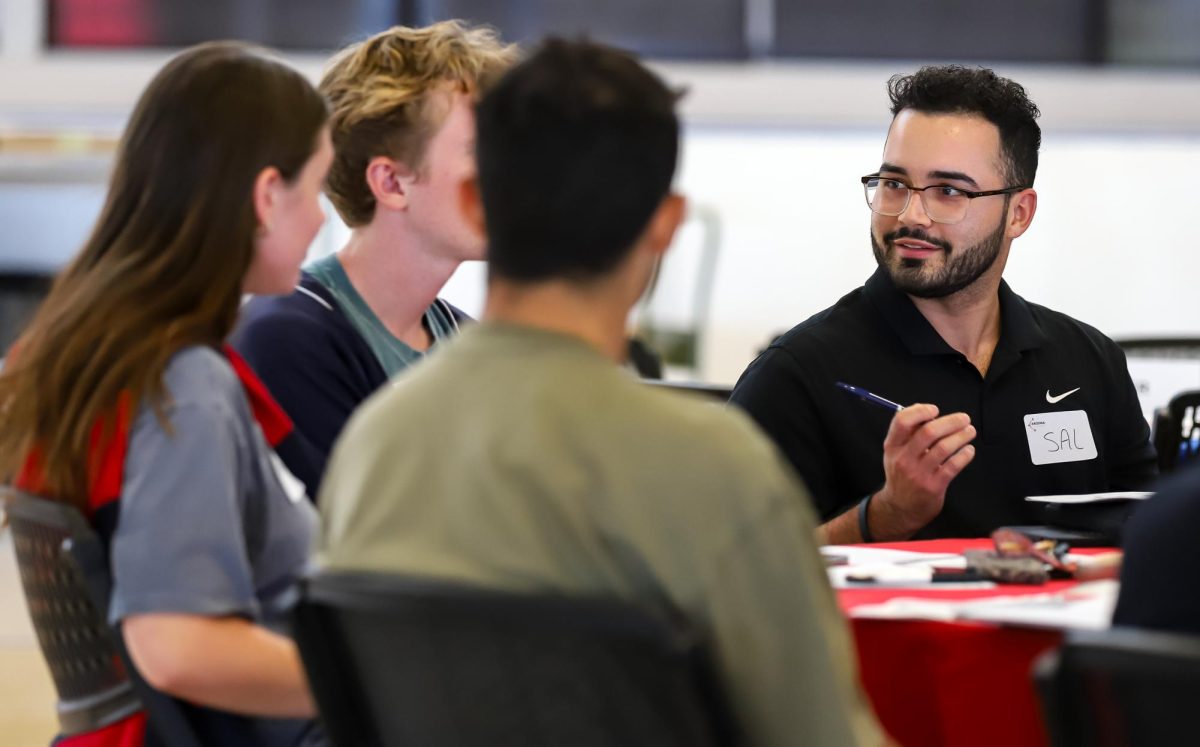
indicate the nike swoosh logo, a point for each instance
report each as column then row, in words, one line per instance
column 1061, row 397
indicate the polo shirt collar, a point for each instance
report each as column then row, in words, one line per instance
column 1018, row 329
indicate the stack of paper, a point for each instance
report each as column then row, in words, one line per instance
column 1122, row 495
column 873, row 566
column 1085, row 607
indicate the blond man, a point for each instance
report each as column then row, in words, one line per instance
column 403, row 134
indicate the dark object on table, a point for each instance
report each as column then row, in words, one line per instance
column 1007, row 570
column 1072, row 537
column 1017, row 559
column 1103, row 519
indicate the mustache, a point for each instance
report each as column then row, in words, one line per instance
column 905, row 232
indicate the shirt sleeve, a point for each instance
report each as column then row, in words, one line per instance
column 179, row 544
column 1134, row 463
column 783, row 648
column 1161, row 560
column 774, row 393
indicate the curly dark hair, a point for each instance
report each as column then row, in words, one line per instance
column 956, row 89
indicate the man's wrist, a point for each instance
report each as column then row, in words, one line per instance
column 864, row 520
column 891, row 522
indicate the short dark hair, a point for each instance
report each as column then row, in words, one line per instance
column 576, row 149
column 955, row 89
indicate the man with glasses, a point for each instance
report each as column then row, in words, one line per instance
column 1013, row 399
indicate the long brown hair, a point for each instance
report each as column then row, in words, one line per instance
column 164, row 265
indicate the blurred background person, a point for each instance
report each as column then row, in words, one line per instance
column 1162, row 558
column 403, row 137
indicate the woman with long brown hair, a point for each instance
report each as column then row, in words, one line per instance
column 121, row 398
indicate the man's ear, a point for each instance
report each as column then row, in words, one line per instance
column 1021, row 213
column 665, row 222
column 389, row 181
column 266, row 196
column 471, row 205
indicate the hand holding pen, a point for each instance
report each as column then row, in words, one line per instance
column 922, row 453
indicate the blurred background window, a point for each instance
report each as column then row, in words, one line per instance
column 283, row 24
column 666, row 29
column 1127, row 32
column 663, row 28
column 1065, row 31
column 1154, row 32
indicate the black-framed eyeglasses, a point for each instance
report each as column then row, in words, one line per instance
column 942, row 202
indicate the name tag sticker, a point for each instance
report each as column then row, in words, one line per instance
column 1057, row 437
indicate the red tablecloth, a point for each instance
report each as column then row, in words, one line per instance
column 936, row 683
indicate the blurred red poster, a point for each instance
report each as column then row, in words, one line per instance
column 102, row 23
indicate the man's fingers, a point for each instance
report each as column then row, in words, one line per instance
column 906, row 422
column 946, row 447
column 955, row 464
column 935, row 430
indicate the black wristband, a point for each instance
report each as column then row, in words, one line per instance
column 864, row 526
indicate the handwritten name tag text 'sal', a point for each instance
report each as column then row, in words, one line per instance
column 1057, row 437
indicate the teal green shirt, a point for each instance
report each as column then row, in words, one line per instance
column 393, row 354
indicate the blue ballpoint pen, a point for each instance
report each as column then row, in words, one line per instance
column 869, row 397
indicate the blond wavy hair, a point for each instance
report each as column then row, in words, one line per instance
column 382, row 93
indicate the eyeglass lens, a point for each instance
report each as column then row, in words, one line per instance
column 891, row 197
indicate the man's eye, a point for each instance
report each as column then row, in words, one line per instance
column 893, row 184
column 945, row 191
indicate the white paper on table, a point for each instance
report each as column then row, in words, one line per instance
column 892, row 568
column 1088, row 606
column 1125, row 495
column 880, row 575
column 861, row 556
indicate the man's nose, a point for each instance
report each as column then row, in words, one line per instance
column 914, row 213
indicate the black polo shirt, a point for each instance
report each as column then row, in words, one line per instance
column 875, row 338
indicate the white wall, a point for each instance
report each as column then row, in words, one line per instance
column 1112, row 242
column 775, row 150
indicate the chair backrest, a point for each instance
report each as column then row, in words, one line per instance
column 399, row 661
column 1121, row 687
column 1177, row 431
column 94, row 689
column 65, row 575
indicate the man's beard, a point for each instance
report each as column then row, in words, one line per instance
column 959, row 270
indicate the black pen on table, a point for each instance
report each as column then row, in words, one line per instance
column 869, row 396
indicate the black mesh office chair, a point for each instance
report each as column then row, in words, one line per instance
column 1122, row 687
column 1177, row 431
column 65, row 576
column 398, row 661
